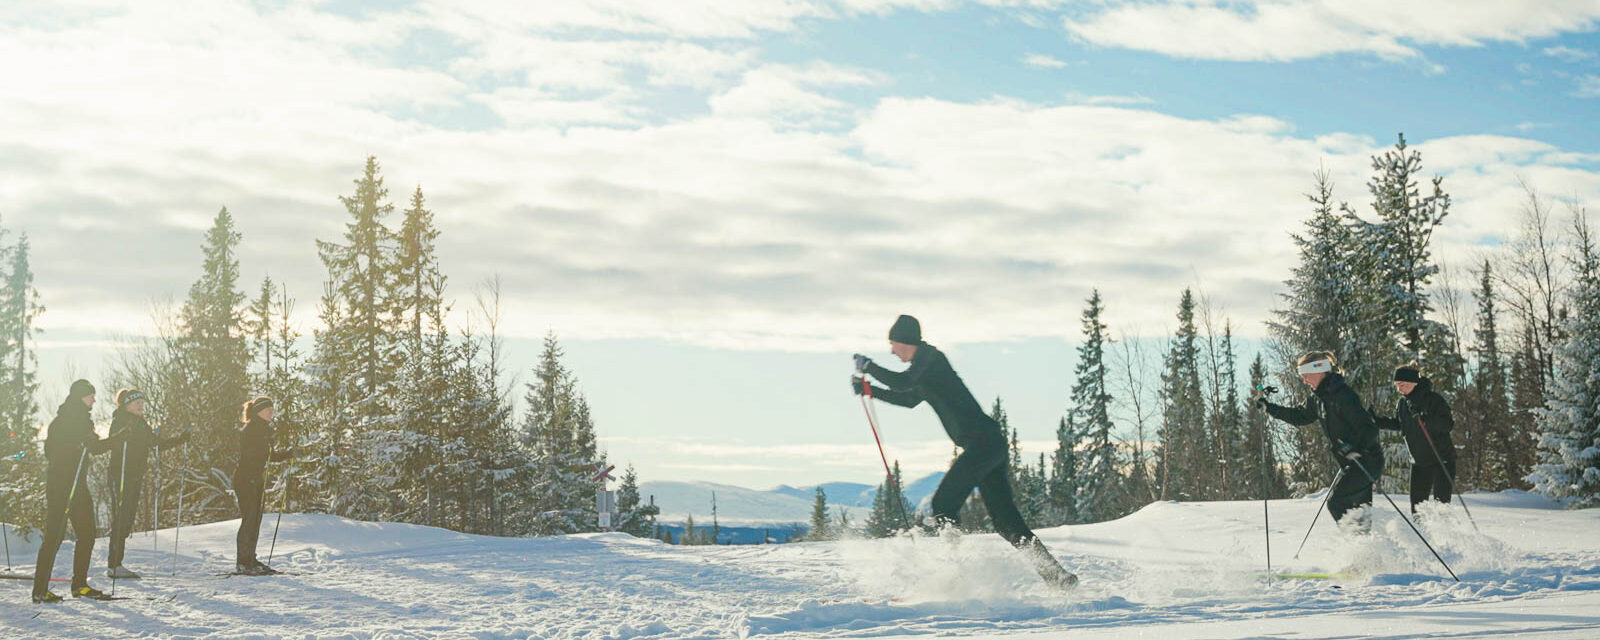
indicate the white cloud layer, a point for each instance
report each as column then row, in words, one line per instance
column 774, row 213
column 1280, row 30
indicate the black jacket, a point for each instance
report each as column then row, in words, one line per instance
column 1343, row 418
column 255, row 449
column 69, row 435
column 931, row 379
column 139, row 439
column 1427, row 405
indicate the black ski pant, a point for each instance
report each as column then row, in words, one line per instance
column 983, row 464
column 1430, row 480
column 124, row 508
column 1354, row 490
column 63, row 504
column 249, row 495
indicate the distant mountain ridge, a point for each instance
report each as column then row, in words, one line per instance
column 782, row 505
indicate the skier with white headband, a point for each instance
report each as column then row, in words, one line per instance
column 1352, row 434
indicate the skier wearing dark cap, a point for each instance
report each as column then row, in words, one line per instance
column 249, row 481
column 1424, row 417
column 67, row 446
column 128, row 465
column 983, row 462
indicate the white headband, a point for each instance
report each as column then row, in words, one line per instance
column 1320, row 366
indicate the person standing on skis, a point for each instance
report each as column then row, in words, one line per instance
column 1352, row 434
column 984, row 459
column 128, row 465
column 1424, row 417
column 250, row 479
column 67, row 447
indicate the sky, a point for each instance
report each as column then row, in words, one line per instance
column 713, row 204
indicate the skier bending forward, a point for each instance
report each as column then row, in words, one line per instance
column 983, row 459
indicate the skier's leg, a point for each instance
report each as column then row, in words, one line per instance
column 1441, row 482
column 1422, row 478
column 249, row 497
column 83, row 533
column 1347, row 494
column 122, row 522
column 958, row 483
column 55, row 528
column 995, row 488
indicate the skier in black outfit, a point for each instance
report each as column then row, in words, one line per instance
column 67, row 446
column 128, row 465
column 1352, row 435
column 983, row 462
column 1421, row 413
column 249, row 481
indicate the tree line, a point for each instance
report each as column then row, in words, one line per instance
column 1521, row 367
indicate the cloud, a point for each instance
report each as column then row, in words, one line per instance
column 789, row 91
column 1569, row 54
column 1588, row 87
column 1042, row 61
column 1280, row 30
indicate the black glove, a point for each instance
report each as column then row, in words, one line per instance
column 1345, row 450
column 862, row 362
column 855, row 384
column 1263, row 402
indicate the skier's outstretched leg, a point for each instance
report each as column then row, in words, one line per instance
column 995, row 487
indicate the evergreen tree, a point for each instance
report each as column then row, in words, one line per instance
column 1183, row 461
column 890, row 510
column 1260, row 475
column 821, row 527
column 1485, row 423
column 1569, row 426
column 1066, row 472
column 1093, row 485
column 21, row 464
column 635, row 518
column 558, row 434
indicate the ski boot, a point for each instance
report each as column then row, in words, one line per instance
column 46, row 598
column 87, row 591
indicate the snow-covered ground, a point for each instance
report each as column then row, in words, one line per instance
column 1169, row 571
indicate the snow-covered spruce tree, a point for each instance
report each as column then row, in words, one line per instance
column 634, row 516
column 428, row 356
column 1184, row 467
column 821, row 525
column 205, row 379
column 1096, row 482
column 354, row 362
column 21, row 459
column 1320, row 312
column 559, row 436
column 1569, row 425
column 1066, row 471
column 1029, row 486
column 891, row 513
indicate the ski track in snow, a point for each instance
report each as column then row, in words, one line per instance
column 1170, row 570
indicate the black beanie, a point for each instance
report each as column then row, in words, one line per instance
column 80, row 390
column 906, row 330
column 1407, row 374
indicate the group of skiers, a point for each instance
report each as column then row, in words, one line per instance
column 69, row 442
column 1352, row 432
column 1351, row 429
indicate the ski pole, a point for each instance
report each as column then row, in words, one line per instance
column 1336, row 478
column 872, row 421
column 1357, row 464
column 183, row 473
column 5, row 533
column 283, row 503
column 1449, row 477
column 117, row 513
column 1266, row 514
column 155, row 507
